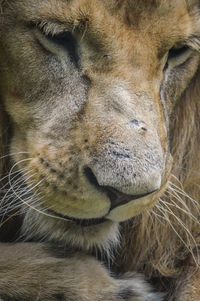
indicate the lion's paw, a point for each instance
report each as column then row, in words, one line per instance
column 31, row 272
column 133, row 287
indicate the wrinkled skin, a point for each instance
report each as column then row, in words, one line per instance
column 88, row 88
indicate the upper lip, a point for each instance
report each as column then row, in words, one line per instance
column 123, row 199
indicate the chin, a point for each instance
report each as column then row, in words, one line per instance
column 102, row 236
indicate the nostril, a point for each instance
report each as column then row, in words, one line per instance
column 91, row 177
column 93, row 181
column 111, row 193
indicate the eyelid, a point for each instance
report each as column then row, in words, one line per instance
column 64, row 45
column 177, row 56
column 47, row 44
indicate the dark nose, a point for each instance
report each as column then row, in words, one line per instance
column 116, row 197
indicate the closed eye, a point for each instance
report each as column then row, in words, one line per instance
column 178, row 52
column 64, row 41
column 178, row 56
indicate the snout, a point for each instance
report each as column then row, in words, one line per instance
column 113, row 181
column 132, row 184
column 127, row 146
column 115, row 166
column 123, row 179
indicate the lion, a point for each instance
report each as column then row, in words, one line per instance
column 99, row 150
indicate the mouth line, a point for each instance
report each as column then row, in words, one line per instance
column 88, row 222
column 125, row 199
column 80, row 222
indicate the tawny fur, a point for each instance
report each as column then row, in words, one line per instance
column 162, row 243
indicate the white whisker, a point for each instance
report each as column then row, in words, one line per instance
column 165, row 217
column 12, row 154
column 183, row 193
column 187, row 212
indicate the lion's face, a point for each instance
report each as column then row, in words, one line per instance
column 89, row 86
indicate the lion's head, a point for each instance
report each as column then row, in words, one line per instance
column 88, row 89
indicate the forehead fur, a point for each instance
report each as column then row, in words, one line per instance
column 130, row 11
column 125, row 7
